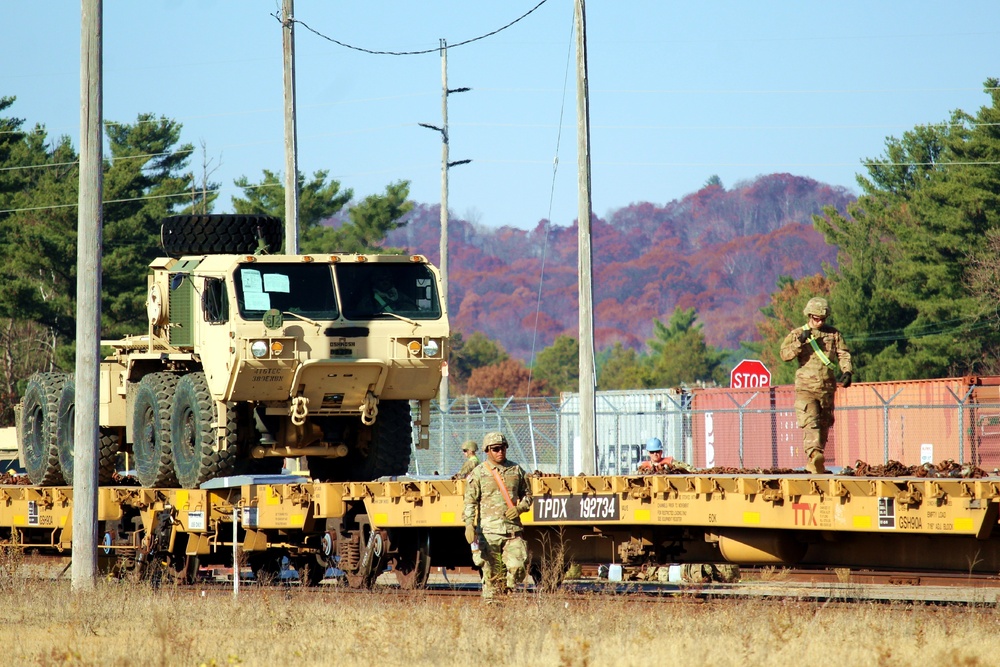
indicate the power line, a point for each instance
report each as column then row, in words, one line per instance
column 925, row 331
column 436, row 49
column 185, row 194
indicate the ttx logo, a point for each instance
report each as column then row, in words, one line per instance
column 805, row 514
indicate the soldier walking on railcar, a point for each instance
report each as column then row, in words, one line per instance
column 496, row 495
column 819, row 349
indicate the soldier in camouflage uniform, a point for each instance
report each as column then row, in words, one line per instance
column 819, row 349
column 469, row 448
column 493, row 517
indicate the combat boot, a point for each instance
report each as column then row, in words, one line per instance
column 815, row 463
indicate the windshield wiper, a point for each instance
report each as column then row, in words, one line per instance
column 316, row 324
column 397, row 316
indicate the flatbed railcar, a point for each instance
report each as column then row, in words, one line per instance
column 358, row 530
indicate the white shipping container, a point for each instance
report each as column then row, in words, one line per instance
column 624, row 421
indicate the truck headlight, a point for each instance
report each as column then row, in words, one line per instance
column 431, row 348
column 258, row 349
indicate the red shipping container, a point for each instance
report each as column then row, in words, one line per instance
column 912, row 421
column 771, row 438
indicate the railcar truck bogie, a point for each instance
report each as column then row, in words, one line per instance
column 250, row 358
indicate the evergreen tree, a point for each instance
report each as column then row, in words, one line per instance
column 469, row 354
column 905, row 250
column 680, row 355
column 144, row 180
column 559, row 365
column 319, row 200
column 369, row 220
column 620, row 367
column 372, row 219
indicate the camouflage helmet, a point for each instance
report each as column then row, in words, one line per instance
column 469, row 446
column 494, row 438
column 817, row 306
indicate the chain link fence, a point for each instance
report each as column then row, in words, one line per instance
column 914, row 422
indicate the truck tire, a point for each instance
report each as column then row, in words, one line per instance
column 108, row 443
column 39, row 429
column 219, row 234
column 151, row 430
column 389, row 449
column 193, row 433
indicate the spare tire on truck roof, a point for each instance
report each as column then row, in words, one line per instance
column 220, row 234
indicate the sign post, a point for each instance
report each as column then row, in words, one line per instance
column 749, row 374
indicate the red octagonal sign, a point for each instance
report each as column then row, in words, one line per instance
column 749, row 374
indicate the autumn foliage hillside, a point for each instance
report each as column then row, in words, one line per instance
column 718, row 251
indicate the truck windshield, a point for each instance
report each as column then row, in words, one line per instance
column 302, row 289
column 380, row 290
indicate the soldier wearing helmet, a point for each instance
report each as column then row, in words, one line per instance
column 820, row 352
column 469, row 448
column 496, row 494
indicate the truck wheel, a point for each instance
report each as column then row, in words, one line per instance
column 151, row 430
column 108, row 444
column 219, row 234
column 39, row 429
column 389, row 449
column 192, row 429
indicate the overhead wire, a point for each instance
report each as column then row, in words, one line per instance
column 548, row 218
column 436, row 49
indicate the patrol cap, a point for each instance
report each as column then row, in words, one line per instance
column 494, row 438
column 469, row 446
column 817, row 306
column 654, row 445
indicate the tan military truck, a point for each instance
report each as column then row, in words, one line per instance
column 250, row 358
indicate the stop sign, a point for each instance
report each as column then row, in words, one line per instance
column 749, row 373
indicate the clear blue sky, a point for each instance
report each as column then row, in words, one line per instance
column 679, row 90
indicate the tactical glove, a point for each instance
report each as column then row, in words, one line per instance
column 846, row 380
column 511, row 513
column 470, row 533
column 804, row 336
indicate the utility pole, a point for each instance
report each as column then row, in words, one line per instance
column 445, row 165
column 86, row 424
column 291, row 139
column 588, row 406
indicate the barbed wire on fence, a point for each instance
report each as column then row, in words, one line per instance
column 912, row 423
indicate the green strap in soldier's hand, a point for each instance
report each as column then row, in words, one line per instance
column 822, row 357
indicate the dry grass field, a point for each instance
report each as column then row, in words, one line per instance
column 120, row 623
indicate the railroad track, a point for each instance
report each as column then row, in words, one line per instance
column 817, row 585
column 787, row 585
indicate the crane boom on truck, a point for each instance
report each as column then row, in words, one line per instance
column 252, row 357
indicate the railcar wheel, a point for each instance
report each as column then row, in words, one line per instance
column 413, row 563
column 39, row 428
column 196, row 456
column 266, row 566
column 229, row 234
column 373, row 546
column 151, row 430
column 107, row 446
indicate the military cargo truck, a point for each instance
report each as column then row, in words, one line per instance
column 250, row 358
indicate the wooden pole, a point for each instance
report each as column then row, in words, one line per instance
column 88, row 300
column 291, row 137
column 588, row 427
column 443, row 389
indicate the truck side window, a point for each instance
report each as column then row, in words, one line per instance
column 215, row 301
